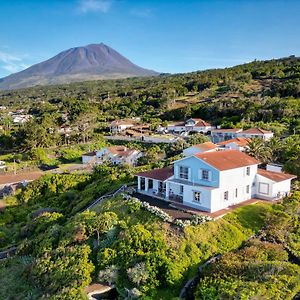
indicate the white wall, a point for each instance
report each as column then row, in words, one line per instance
column 88, row 159
column 188, row 196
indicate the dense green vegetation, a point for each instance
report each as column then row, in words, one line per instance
column 265, row 268
column 264, row 93
column 61, row 250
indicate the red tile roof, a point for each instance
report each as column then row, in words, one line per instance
column 120, row 150
column 275, row 176
column 206, row 146
column 256, row 131
column 158, row 174
column 226, row 160
column 200, row 123
column 240, row 141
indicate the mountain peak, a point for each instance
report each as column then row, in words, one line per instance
column 90, row 62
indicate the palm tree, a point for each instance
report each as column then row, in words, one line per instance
column 259, row 150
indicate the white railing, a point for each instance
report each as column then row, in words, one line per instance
column 111, row 195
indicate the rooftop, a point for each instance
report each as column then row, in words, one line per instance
column 206, row 146
column 227, row 160
column 120, row 150
column 158, row 174
column 240, row 141
column 275, row 176
column 92, row 153
column 256, row 131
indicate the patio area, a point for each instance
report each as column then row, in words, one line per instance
column 174, row 212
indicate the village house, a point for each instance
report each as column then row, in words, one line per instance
column 220, row 135
column 213, row 181
column 118, row 155
column 256, row 133
column 238, row 143
column 192, row 124
column 200, row 148
column 89, row 157
column 118, row 126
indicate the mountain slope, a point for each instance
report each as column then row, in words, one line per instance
column 95, row 61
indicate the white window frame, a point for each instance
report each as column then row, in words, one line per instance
column 181, row 189
column 204, row 171
column 226, row 196
column 198, row 198
column 265, row 184
column 180, row 173
column 248, row 171
column 248, row 189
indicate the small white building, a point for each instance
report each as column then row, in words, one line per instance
column 89, row 157
column 213, row 181
column 118, row 155
column 238, row 143
column 120, row 125
column 272, row 185
column 193, row 124
column 200, row 148
column 256, row 133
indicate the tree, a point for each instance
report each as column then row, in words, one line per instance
column 258, row 149
column 197, row 138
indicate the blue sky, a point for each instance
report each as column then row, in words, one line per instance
column 167, row 36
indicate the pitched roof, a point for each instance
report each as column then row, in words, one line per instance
column 200, row 123
column 120, row 150
column 256, row 131
column 226, row 160
column 92, row 153
column 121, row 122
column 275, row 176
column 158, row 174
column 206, row 146
column 221, row 130
column 240, row 141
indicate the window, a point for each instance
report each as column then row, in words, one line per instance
column 205, row 174
column 236, row 193
column 197, row 197
column 226, row 195
column 248, row 171
column 248, row 189
column 181, row 190
column 183, row 172
column 150, row 184
column 263, row 188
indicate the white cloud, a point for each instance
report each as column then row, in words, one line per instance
column 11, row 63
column 86, row 6
column 141, row 12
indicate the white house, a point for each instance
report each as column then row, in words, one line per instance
column 200, row 148
column 193, row 124
column 238, row 143
column 118, row 155
column 212, row 181
column 89, row 157
column 120, row 125
column 256, row 133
